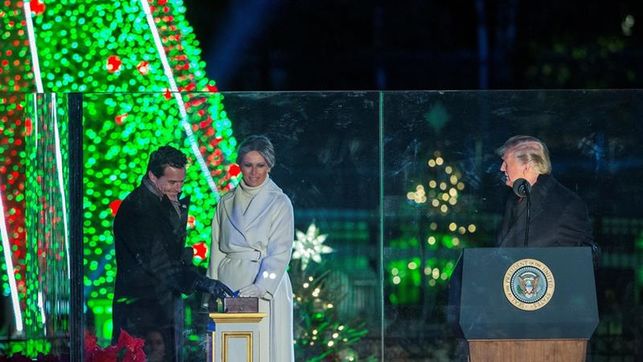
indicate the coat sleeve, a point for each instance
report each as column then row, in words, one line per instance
column 216, row 256
column 279, row 250
column 575, row 228
column 149, row 244
column 505, row 224
column 174, row 270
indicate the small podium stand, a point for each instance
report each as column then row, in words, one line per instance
column 525, row 304
column 236, row 337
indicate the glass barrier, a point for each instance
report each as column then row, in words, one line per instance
column 327, row 163
column 387, row 190
column 35, row 246
column 443, row 191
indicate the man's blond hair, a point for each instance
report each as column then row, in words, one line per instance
column 528, row 149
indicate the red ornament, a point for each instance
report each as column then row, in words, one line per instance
column 28, row 127
column 143, row 67
column 191, row 221
column 37, row 7
column 120, row 118
column 200, row 249
column 114, row 205
column 234, row 170
column 196, row 102
column 190, row 87
column 212, row 88
column 114, row 63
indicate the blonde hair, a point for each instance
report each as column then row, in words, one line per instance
column 528, row 149
column 260, row 144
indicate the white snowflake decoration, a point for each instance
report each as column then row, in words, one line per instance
column 310, row 246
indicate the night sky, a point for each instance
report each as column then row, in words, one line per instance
column 414, row 44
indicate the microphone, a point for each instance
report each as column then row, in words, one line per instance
column 521, row 187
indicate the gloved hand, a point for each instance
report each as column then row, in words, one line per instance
column 213, row 287
column 252, row 290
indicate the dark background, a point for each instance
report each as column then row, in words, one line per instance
column 323, row 139
column 255, row 45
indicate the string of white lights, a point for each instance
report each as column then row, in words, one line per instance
column 6, row 247
column 33, row 48
column 61, row 183
column 177, row 96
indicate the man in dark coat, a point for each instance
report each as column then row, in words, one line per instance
column 558, row 217
column 153, row 265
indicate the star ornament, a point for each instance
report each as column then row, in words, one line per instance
column 310, row 246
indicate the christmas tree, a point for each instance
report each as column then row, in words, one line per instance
column 138, row 65
column 437, row 203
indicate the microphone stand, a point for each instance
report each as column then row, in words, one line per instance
column 522, row 188
column 528, row 217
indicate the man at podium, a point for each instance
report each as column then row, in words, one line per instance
column 541, row 211
column 524, row 300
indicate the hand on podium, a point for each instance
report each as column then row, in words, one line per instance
column 251, row 290
column 215, row 288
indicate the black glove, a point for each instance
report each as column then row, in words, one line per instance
column 213, row 287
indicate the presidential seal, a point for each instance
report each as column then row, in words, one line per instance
column 529, row 284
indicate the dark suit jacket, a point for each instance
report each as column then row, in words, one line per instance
column 153, row 266
column 558, row 218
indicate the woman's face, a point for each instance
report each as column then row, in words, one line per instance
column 254, row 168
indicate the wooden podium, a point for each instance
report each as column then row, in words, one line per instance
column 528, row 350
column 236, row 337
column 525, row 304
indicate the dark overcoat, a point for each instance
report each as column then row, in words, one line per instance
column 558, row 217
column 153, row 266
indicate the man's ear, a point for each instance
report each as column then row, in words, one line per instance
column 527, row 169
column 530, row 173
column 152, row 177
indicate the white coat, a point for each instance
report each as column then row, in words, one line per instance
column 256, row 248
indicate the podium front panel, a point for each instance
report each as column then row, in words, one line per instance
column 569, row 312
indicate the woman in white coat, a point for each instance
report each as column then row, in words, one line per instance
column 252, row 238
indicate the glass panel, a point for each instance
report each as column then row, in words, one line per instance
column 120, row 132
column 322, row 142
column 443, row 191
column 35, row 296
column 327, row 147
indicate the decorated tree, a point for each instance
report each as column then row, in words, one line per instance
column 437, row 204
column 138, row 65
column 320, row 334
